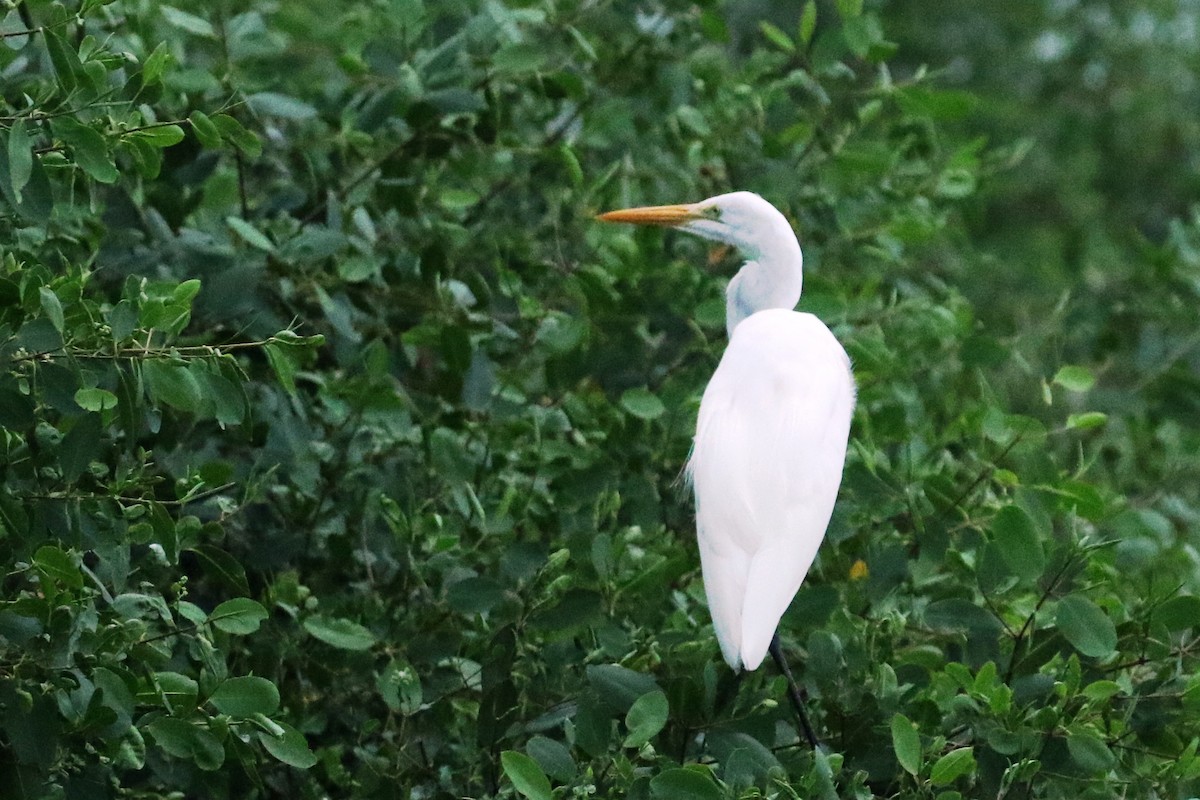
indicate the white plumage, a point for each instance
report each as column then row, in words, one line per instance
column 773, row 426
column 767, row 461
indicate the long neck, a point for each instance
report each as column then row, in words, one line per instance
column 771, row 277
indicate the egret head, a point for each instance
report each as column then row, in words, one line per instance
column 741, row 219
column 771, row 276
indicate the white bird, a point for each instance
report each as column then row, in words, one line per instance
column 773, row 427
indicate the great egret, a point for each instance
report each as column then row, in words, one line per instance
column 772, row 432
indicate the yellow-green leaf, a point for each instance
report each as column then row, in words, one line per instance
column 953, row 766
column 907, row 744
column 526, row 776
column 1075, row 378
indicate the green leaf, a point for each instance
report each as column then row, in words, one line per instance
column 233, row 132
column 1101, row 690
column 289, row 747
column 642, row 403
column 123, row 320
column 823, row 773
column 179, row 692
column 849, row 9
column 89, row 149
column 576, row 608
column 519, row 59
column 17, row 32
column 808, row 22
column 526, row 776
column 956, row 183
column 937, row 104
column 1090, row 753
column 553, row 757
column 777, row 37
column 147, row 158
column 175, row 736
column 205, row 129
column 571, row 162
column 685, row 784
column 56, row 565
column 186, row 291
column 357, row 268
column 692, row 119
column 65, row 59
column 953, row 766
column 166, row 314
column 560, row 333
column 250, row 234
column 134, row 606
column 1017, row 539
column 1178, row 613
column 1087, row 420
column 594, row 731
column 52, row 306
column 227, row 398
column 744, row 759
column 340, row 633
column 36, row 200
column 474, row 595
column 647, row 716
column 400, row 686
column 958, row 613
column 156, row 64
column 244, row 696
column 273, row 104
column 1086, row 626
column 239, row 616
column 95, row 399
column 223, row 567
column 283, row 362
column 173, row 384
column 620, row 686
column 160, row 136
column 907, row 744
column 188, row 22
column 82, row 444
column 184, row 740
column 20, row 158
column 588, row 50
column 39, row 336
column 16, row 409
column 1075, row 378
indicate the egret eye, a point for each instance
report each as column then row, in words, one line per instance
column 711, row 212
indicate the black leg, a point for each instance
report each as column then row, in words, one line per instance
column 794, row 693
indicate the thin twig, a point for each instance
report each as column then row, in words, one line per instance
column 986, row 471
column 196, row 498
column 185, row 352
column 36, row 29
column 1012, row 662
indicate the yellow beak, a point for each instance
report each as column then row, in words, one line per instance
column 654, row 215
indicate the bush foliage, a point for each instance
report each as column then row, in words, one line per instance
column 342, row 448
